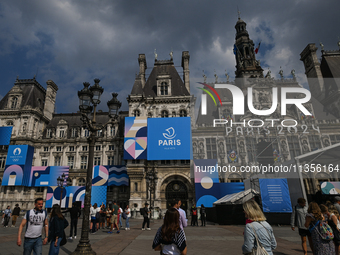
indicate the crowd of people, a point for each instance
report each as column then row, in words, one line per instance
column 318, row 223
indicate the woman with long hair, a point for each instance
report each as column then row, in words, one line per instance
column 57, row 224
column 170, row 238
column 94, row 219
column 258, row 227
column 313, row 219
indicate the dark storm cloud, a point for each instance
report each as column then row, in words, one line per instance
column 75, row 41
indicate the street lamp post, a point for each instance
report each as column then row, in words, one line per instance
column 89, row 98
column 60, row 181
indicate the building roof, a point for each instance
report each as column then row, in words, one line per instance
column 33, row 94
column 161, row 68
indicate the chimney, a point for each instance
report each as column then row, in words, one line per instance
column 50, row 97
column 186, row 72
column 142, row 68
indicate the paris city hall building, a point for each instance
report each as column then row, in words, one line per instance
column 59, row 139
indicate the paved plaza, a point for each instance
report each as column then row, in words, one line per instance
column 212, row 239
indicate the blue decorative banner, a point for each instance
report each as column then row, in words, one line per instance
column 135, row 138
column 44, row 176
column 118, row 176
column 275, row 195
column 169, row 138
column 72, row 194
column 18, row 165
column 5, row 135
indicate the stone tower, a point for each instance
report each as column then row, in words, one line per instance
column 246, row 64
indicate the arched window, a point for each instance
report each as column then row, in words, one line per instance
column 81, row 182
column 150, row 115
column 136, row 113
column 182, row 113
column 14, row 102
column 136, row 186
column 164, row 114
column 9, row 123
column 164, row 89
column 173, row 114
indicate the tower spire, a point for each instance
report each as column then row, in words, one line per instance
column 238, row 13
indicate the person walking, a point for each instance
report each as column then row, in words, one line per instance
column 203, row 215
column 170, row 237
column 114, row 218
column 127, row 212
column 75, row 214
column 56, row 232
column 194, row 221
column 298, row 218
column 6, row 216
column 120, row 211
column 258, row 229
column 34, row 220
column 313, row 219
column 333, row 222
column 94, row 218
column 145, row 212
column 182, row 220
column 15, row 215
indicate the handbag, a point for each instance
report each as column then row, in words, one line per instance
column 64, row 240
column 124, row 215
column 258, row 250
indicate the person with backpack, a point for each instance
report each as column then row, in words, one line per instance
column 35, row 220
column 258, row 231
column 6, row 216
column 170, row 237
column 298, row 218
column 56, row 233
column 145, row 212
column 321, row 236
column 194, row 221
column 203, row 215
column 333, row 222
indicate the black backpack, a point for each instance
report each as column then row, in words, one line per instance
column 141, row 211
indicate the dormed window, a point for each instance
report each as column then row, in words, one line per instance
column 49, row 133
column 10, row 123
column 61, row 132
column 14, row 102
column 164, row 89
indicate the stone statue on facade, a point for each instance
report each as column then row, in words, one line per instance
column 281, row 73
column 293, row 74
column 204, row 77
column 155, row 55
column 322, row 46
column 171, row 55
column 216, row 77
column 227, row 75
column 268, row 75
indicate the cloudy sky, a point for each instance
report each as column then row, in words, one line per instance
column 70, row 42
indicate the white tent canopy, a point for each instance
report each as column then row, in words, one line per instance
column 237, row 198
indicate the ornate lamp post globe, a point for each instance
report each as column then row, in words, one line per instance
column 89, row 98
column 114, row 106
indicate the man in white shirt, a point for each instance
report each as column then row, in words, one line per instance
column 34, row 219
column 182, row 220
